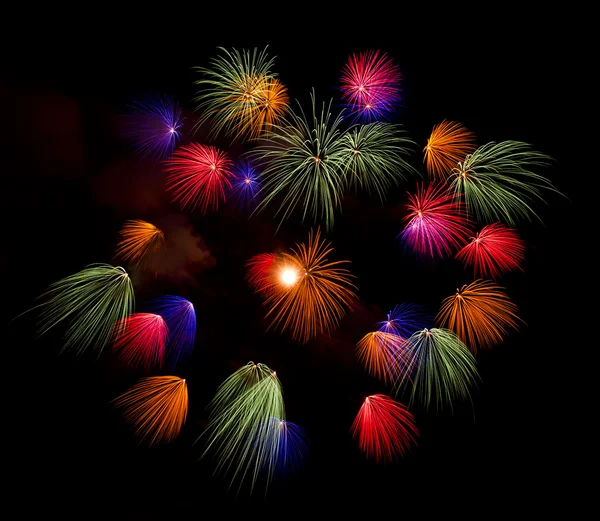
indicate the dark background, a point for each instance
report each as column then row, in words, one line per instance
column 70, row 180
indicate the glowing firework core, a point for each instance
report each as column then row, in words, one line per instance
column 288, row 277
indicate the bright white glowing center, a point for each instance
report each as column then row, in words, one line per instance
column 288, row 276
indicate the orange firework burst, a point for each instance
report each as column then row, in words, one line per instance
column 157, row 408
column 382, row 355
column 448, row 144
column 480, row 313
column 312, row 294
column 139, row 241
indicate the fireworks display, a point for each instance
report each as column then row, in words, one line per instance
column 321, row 215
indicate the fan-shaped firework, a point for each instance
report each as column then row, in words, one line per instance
column 140, row 340
column 153, row 125
column 139, row 241
column 435, row 224
column 302, row 164
column 156, row 407
column 199, row 176
column 318, row 299
column 496, row 249
column 497, row 183
column 385, row 428
column 440, row 368
column 291, row 446
column 480, row 313
column 239, row 95
column 245, row 185
column 180, row 317
column 381, row 354
column 260, row 274
column 90, row 301
column 371, row 85
column 238, row 433
column 405, row 319
column 374, row 157
column 448, row 144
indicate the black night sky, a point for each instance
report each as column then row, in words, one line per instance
column 70, row 181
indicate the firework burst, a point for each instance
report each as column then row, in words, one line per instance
column 239, row 95
column 90, row 301
column 496, row 249
column 371, row 85
column 404, row 319
column 385, row 429
column 314, row 293
column 448, row 144
column 497, row 182
column 436, row 224
column 302, row 164
column 239, row 433
column 381, row 355
column 156, row 407
column 199, row 176
column 180, row 318
column 245, row 185
column 480, row 313
column 153, row 125
column 140, row 240
column 440, row 368
column 375, row 157
column 140, row 340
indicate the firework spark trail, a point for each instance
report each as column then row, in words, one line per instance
column 448, row 144
column 381, row 354
column 480, row 313
column 404, row 319
column 156, row 407
column 385, row 428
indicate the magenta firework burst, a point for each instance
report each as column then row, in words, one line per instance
column 436, row 224
column 371, row 85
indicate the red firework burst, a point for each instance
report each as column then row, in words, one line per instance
column 141, row 340
column 371, row 85
column 436, row 223
column 199, row 176
column 495, row 250
column 385, row 428
column 259, row 272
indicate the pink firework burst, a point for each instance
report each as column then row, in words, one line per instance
column 385, row 428
column 141, row 340
column 495, row 250
column 371, row 85
column 199, row 176
column 436, row 224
